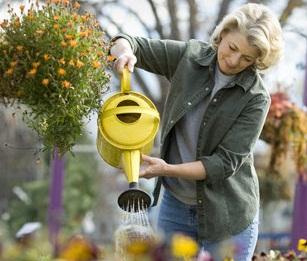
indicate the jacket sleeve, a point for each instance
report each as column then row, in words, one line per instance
column 237, row 145
column 156, row 56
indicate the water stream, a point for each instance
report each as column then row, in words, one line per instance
column 134, row 227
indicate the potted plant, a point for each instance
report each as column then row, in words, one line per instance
column 53, row 61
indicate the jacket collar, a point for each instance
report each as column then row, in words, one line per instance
column 244, row 79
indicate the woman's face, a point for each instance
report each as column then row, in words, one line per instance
column 234, row 53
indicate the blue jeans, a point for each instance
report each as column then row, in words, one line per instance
column 175, row 216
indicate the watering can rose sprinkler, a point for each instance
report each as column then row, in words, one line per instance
column 127, row 125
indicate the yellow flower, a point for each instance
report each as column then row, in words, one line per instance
column 45, row 82
column 56, row 26
column 228, row 259
column 96, row 64
column 46, row 57
column 61, row 72
column 9, row 71
column 138, row 247
column 32, row 72
column 71, row 62
column 73, row 43
column 66, row 84
column 183, row 246
column 19, row 48
column 302, row 245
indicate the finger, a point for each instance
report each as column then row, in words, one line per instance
column 120, row 64
column 147, row 158
column 131, row 63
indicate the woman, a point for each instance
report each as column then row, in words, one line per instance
column 213, row 115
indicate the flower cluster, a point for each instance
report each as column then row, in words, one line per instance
column 275, row 255
column 53, row 60
column 285, row 130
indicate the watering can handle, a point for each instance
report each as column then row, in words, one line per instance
column 130, row 109
column 125, row 80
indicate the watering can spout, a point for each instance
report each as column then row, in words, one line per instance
column 131, row 164
column 133, row 199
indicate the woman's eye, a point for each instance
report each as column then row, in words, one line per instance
column 231, row 48
column 248, row 59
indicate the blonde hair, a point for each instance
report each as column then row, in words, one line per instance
column 261, row 28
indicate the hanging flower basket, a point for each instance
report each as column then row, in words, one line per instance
column 285, row 130
column 53, row 60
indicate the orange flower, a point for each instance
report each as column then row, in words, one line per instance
column 63, row 44
column 22, row 8
column 66, row 84
column 68, row 36
column 13, row 64
column 79, row 64
column 75, row 17
column 32, row 72
column 61, row 72
column 96, row 64
column 56, row 17
column 9, row 71
column 65, row 2
column 17, row 23
column 84, row 18
column 76, row 5
column 71, row 62
column 110, row 58
column 73, row 43
column 39, row 32
column 84, row 34
column 4, row 23
column 35, row 65
column 56, row 26
column 19, row 48
column 46, row 57
column 45, row 82
column 62, row 61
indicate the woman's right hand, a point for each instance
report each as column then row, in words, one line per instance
column 123, row 53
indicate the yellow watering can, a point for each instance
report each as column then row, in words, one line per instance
column 127, row 125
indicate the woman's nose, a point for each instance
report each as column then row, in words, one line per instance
column 234, row 60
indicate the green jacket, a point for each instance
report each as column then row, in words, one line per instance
column 228, row 199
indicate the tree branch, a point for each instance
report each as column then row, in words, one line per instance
column 172, row 9
column 193, row 25
column 286, row 13
column 159, row 26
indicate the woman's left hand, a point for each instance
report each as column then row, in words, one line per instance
column 152, row 167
